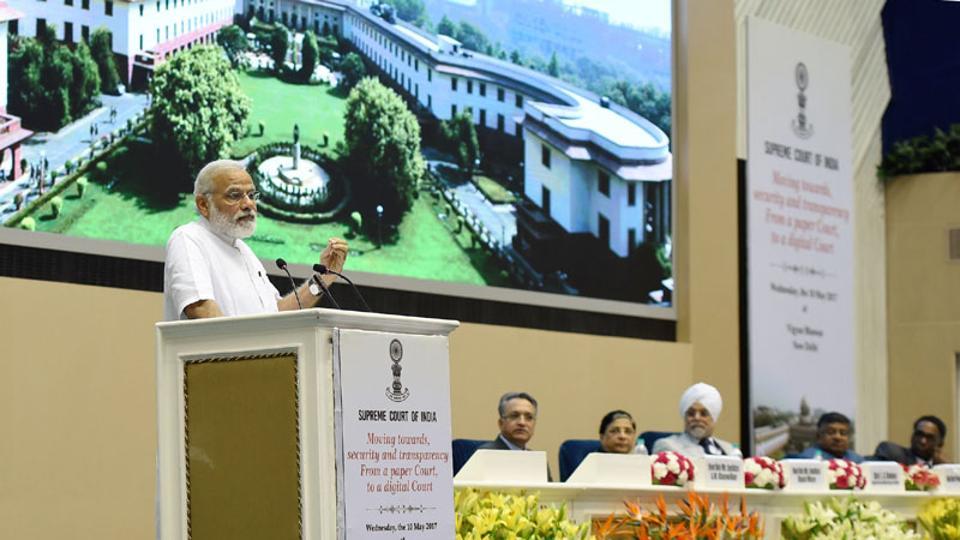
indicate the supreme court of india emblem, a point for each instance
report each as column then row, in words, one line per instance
column 396, row 391
column 801, row 126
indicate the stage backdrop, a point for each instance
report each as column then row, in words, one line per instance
column 799, row 235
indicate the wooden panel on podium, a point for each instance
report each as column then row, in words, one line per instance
column 243, row 468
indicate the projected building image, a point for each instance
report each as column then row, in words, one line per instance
column 539, row 170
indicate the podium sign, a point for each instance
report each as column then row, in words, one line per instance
column 393, row 454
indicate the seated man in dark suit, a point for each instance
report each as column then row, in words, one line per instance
column 833, row 439
column 518, row 419
column 926, row 444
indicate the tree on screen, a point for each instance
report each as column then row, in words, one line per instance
column 352, row 69
column 199, row 109
column 233, row 42
column 381, row 152
column 412, row 11
column 279, row 42
column 447, row 27
column 461, row 139
column 310, row 56
column 101, row 47
column 85, row 87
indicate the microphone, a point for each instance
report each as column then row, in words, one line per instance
column 321, row 269
column 326, row 291
column 282, row 264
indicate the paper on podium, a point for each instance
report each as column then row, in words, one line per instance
column 631, row 470
column 805, row 475
column 949, row 474
column 883, row 477
column 505, row 466
column 720, row 472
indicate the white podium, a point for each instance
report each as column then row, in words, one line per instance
column 257, row 440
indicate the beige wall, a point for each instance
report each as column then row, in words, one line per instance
column 77, row 377
column 923, row 302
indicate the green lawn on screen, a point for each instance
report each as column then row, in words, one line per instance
column 133, row 202
column 318, row 109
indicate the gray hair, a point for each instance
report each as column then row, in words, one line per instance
column 204, row 182
column 502, row 406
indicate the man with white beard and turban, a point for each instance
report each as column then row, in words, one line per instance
column 210, row 271
column 700, row 407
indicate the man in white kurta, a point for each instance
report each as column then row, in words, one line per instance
column 210, row 271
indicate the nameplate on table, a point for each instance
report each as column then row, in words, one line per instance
column 949, row 474
column 505, row 467
column 723, row 472
column 883, row 476
column 622, row 470
column 805, row 475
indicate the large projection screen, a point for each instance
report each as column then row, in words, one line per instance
column 510, row 150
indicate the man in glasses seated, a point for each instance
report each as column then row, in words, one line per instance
column 210, row 271
column 926, row 443
column 833, row 439
column 518, row 419
column 700, row 407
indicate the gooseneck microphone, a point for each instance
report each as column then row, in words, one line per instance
column 321, row 269
column 282, row 264
column 326, row 291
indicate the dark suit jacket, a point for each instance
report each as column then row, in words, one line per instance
column 498, row 444
column 889, row 451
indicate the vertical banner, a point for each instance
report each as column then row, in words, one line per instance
column 799, row 235
column 394, row 468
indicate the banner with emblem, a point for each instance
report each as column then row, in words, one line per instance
column 799, row 206
column 394, row 464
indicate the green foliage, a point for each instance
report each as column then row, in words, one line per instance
column 460, row 138
column 199, row 109
column 279, row 42
column 328, row 45
column 381, row 151
column 515, row 57
column 56, row 76
column 352, row 69
column 481, row 514
column 102, row 52
column 923, row 154
column 82, row 184
column 447, row 27
column 56, row 206
column 471, row 37
column 644, row 99
column 50, row 85
column 28, row 224
column 310, row 56
column 553, row 69
column 412, row 11
column 233, row 41
column 85, row 87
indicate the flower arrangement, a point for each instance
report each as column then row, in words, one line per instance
column 920, row 478
column 763, row 473
column 489, row 515
column 698, row 519
column 845, row 474
column 940, row 518
column 846, row 519
column 671, row 469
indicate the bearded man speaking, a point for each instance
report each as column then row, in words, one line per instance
column 210, row 271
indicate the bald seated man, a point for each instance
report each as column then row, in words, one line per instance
column 210, row 271
column 700, row 408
